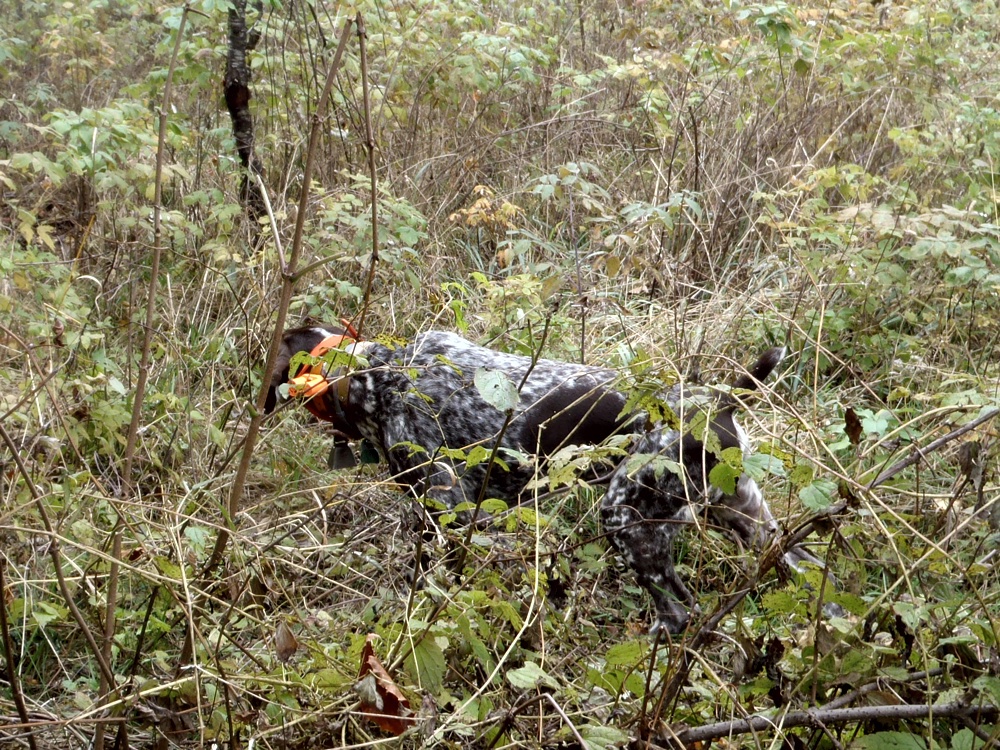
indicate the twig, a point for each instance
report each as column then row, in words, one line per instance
column 853, row 695
column 121, row 739
column 288, row 275
column 917, row 453
column 154, row 270
column 650, row 670
column 8, row 655
column 109, row 624
column 810, row 525
column 39, row 385
column 287, row 287
column 509, row 718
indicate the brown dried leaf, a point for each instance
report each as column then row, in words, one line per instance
column 968, row 457
column 285, row 644
column 852, row 425
column 381, row 699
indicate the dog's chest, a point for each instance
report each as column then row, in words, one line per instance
column 669, row 482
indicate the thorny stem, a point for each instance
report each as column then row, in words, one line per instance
column 370, row 147
column 287, row 287
column 8, row 654
column 56, row 556
column 523, row 705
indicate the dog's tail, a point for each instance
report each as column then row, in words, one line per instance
column 753, row 377
column 722, row 420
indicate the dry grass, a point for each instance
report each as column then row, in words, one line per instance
column 722, row 201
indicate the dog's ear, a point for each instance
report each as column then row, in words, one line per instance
column 279, row 375
column 293, row 341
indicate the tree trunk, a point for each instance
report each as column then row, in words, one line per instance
column 237, row 91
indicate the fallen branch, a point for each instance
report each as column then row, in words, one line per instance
column 836, row 716
column 917, row 453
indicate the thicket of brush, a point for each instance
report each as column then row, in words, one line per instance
column 667, row 188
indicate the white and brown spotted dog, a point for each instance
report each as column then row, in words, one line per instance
column 417, row 403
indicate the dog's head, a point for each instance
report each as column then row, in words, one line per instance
column 293, row 341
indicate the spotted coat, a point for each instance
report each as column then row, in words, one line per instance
column 413, row 402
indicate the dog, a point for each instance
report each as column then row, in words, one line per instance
column 419, row 406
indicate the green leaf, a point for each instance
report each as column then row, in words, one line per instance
column 496, row 388
column 779, row 603
column 116, row 385
column 852, row 603
column 530, row 676
column 658, row 463
column 426, row 664
column 990, row 686
column 601, row 737
column 964, row 739
column 327, row 678
column 818, row 495
column 477, row 455
column 759, row 465
column 493, row 506
column 733, row 457
column 724, row 477
column 890, row 741
column 801, row 475
column 627, row 654
column 408, row 235
column 44, row 613
column 912, row 615
column 168, row 567
column 479, row 649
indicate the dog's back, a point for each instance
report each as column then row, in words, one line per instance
column 424, row 395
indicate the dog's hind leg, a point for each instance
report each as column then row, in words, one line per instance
column 647, row 547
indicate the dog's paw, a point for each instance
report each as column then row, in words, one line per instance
column 673, row 622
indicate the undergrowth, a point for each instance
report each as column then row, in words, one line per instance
column 667, row 189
